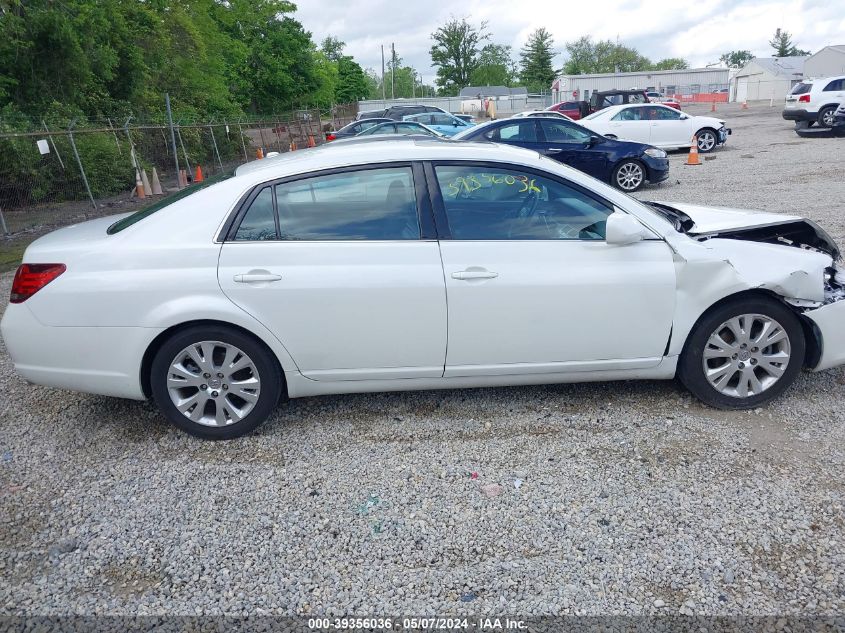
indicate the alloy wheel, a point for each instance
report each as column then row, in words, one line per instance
column 746, row 355
column 629, row 176
column 827, row 117
column 213, row 383
column 706, row 141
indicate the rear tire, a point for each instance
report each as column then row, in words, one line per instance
column 215, row 382
column 743, row 354
column 826, row 116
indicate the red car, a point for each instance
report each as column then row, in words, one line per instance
column 573, row 109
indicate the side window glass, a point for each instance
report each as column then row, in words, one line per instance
column 563, row 133
column 509, row 204
column 637, row 99
column 834, row 85
column 259, row 223
column 668, row 114
column 519, row 131
column 372, row 204
column 628, row 114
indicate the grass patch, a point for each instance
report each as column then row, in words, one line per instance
column 11, row 253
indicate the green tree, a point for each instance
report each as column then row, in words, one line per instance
column 736, row 59
column 671, row 63
column 352, row 83
column 332, row 47
column 536, row 71
column 584, row 56
column 496, row 67
column 455, row 53
column 783, row 45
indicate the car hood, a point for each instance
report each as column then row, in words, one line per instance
column 757, row 226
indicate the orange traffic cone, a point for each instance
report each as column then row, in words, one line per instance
column 311, row 142
column 713, row 107
column 198, row 175
column 259, row 154
column 745, row 105
column 293, row 146
column 139, row 186
column 692, row 159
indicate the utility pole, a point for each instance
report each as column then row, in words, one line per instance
column 392, row 71
column 383, row 95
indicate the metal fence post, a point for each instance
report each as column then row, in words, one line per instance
column 3, row 223
column 55, row 149
column 79, row 162
column 243, row 143
column 172, row 137
column 182, row 144
column 216, row 151
column 116, row 142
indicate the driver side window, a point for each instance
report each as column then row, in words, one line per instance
column 508, row 204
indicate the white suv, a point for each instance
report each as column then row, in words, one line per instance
column 815, row 100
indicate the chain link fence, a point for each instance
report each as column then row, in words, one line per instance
column 59, row 173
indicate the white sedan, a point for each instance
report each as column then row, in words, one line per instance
column 388, row 265
column 658, row 125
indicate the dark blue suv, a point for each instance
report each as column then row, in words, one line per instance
column 624, row 164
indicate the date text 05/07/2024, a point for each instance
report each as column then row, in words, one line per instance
column 417, row 624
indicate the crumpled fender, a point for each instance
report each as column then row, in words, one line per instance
column 709, row 271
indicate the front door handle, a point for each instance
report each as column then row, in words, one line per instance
column 256, row 277
column 554, row 150
column 474, row 274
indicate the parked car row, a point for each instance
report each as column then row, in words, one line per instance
column 623, row 145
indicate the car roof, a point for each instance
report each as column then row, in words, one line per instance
column 375, row 149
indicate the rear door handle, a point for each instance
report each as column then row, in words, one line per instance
column 256, row 277
column 474, row 274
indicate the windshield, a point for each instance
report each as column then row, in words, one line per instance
column 146, row 212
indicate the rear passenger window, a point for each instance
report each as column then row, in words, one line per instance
column 373, row 204
column 835, row 85
column 259, row 223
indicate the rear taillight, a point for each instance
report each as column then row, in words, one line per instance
column 330, row 136
column 804, row 99
column 31, row 278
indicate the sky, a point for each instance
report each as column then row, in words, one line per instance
column 696, row 30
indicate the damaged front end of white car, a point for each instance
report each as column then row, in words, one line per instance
column 792, row 258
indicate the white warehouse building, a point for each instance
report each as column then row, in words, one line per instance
column 692, row 84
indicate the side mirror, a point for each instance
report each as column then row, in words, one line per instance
column 594, row 140
column 623, row 228
column 684, row 117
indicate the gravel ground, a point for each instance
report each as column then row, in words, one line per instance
column 622, row 498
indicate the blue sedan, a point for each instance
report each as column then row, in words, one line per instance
column 623, row 164
column 445, row 123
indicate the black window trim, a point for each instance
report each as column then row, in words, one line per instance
column 424, row 208
column 442, row 220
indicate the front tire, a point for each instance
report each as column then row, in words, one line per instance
column 708, row 139
column 826, row 116
column 215, row 382
column 743, row 354
column 629, row 175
